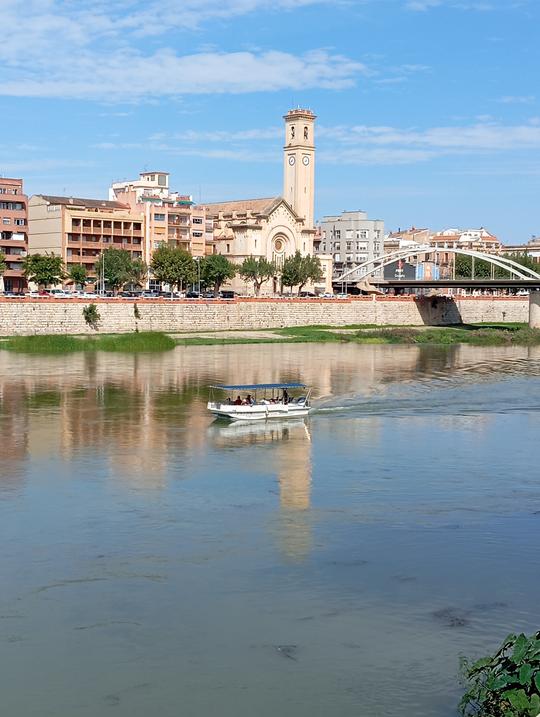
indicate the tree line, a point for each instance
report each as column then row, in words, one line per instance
column 485, row 270
column 172, row 266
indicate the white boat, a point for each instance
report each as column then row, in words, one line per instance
column 261, row 401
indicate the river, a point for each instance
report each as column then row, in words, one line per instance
column 154, row 562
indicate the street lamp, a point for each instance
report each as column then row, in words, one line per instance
column 198, row 260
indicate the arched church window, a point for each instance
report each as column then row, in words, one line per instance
column 306, row 132
column 292, row 132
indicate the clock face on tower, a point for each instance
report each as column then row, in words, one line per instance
column 291, row 160
column 305, row 161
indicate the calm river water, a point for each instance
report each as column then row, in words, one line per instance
column 154, row 563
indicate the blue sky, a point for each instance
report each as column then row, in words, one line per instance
column 428, row 110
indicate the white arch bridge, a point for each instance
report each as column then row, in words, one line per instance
column 372, row 266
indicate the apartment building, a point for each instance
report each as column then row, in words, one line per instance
column 13, row 232
column 350, row 239
column 170, row 218
column 79, row 230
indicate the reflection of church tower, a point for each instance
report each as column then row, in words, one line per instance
column 299, row 163
column 294, row 477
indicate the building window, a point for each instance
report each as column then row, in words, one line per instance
column 376, row 247
column 337, row 257
column 20, row 222
column 159, row 217
column 6, row 220
column 349, row 234
column 349, row 245
column 228, row 249
column 197, row 220
column 197, row 234
column 337, row 233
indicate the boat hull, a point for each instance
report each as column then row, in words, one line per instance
column 259, row 412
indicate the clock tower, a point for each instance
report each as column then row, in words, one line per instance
column 299, row 163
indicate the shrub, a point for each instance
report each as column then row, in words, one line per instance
column 506, row 684
column 91, row 316
column 136, row 311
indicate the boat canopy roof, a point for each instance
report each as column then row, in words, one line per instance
column 259, row 386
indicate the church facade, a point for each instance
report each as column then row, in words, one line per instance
column 275, row 227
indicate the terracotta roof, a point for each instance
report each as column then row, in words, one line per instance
column 256, row 206
column 78, row 202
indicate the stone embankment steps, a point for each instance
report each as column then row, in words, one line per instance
column 61, row 316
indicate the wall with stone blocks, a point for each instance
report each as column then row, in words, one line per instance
column 57, row 316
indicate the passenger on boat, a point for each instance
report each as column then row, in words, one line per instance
column 238, row 401
column 249, row 400
column 285, row 396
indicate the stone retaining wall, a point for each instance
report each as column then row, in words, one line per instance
column 60, row 316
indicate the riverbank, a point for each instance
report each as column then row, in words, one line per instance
column 145, row 342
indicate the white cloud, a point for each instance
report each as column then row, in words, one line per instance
column 92, row 49
column 128, row 75
column 354, row 144
column 517, row 99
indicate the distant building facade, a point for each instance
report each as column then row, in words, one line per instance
column 13, row 232
column 169, row 217
column 79, row 230
column 350, row 238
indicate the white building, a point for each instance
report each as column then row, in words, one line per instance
column 350, row 238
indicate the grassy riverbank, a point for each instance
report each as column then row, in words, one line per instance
column 476, row 335
column 127, row 343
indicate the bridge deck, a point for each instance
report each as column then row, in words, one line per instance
column 454, row 283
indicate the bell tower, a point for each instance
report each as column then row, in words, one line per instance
column 299, row 163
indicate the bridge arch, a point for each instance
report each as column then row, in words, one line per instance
column 373, row 265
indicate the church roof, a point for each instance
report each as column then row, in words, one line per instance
column 242, row 206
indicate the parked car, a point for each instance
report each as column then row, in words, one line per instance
column 89, row 295
column 210, row 295
column 227, row 294
column 131, row 294
column 57, row 293
column 307, row 295
column 12, row 295
column 192, row 295
column 149, row 295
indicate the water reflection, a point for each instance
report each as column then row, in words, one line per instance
column 137, row 411
column 153, row 558
column 292, row 467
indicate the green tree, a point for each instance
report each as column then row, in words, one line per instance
column 43, row 269
column 216, row 269
column 258, row 271
column 311, row 270
column 78, row 275
column 116, row 266
column 524, row 259
column 291, row 271
column 298, row 270
column 173, row 266
column 3, row 264
column 138, row 272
